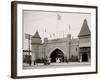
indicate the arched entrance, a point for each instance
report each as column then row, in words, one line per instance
column 84, row 57
column 57, row 53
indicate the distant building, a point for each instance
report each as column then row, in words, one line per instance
column 63, row 48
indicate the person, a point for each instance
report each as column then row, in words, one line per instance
column 30, row 62
column 57, row 60
column 34, row 62
column 49, row 60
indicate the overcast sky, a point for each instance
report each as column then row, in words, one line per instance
column 55, row 26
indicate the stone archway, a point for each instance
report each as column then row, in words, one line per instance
column 57, row 53
column 84, row 57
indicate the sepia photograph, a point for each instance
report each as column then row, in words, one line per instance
column 53, row 39
column 56, row 39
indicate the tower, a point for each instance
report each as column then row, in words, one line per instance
column 85, row 42
column 35, row 42
column 69, row 45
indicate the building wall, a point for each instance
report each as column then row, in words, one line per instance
column 84, row 41
column 63, row 46
column 35, row 49
column 75, row 47
column 67, row 45
column 41, row 51
column 45, row 49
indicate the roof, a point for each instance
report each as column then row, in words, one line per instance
column 85, row 29
column 36, row 35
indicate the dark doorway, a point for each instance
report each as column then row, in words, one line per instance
column 57, row 53
column 84, row 57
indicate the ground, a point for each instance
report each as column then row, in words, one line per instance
column 57, row 65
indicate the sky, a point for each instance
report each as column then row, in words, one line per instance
column 54, row 24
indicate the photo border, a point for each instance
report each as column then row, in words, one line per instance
column 14, row 37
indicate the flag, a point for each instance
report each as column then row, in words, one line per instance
column 69, row 28
column 63, row 34
column 50, row 36
column 45, row 30
column 59, row 35
column 54, row 34
column 58, row 17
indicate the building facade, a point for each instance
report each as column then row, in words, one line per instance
column 85, row 43
column 63, row 48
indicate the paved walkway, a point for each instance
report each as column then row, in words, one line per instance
column 57, row 65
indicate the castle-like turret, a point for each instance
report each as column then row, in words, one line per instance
column 35, row 42
column 69, row 45
column 36, row 39
column 85, row 42
column 85, row 31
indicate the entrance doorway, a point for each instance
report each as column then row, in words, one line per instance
column 84, row 57
column 57, row 53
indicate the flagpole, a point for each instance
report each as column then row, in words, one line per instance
column 69, row 43
column 58, row 19
column 69, row 29
column 45, row 32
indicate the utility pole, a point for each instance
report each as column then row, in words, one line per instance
column 69, row 42
column 28, row 36
column 69, row 49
